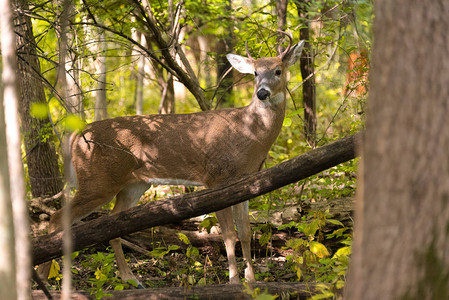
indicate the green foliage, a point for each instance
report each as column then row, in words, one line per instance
column 193, row 265
column 208, row 222
column 104, row 274
column 312, row 260
column 160, row 252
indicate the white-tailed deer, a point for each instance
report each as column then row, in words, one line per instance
column 122, row 157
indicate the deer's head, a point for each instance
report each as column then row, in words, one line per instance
column 270, row 72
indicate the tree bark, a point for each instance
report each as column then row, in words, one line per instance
column 281, row 11
column 307, row 69
column 225, row 80
column 8, row 288
column 42, row 160
column 140, row 74
column 402, row 213
column 101, row 107
column 191, row 205
column 15, row 262
column 294, row 290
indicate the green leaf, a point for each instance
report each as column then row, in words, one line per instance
column 39, row 110
column 173, row 247
column 336, row 222
column 287, row 122
column 74, row 123
column 183, row 238
column 298, row 273
column 265, row 238
column 265, row 296
column 192, row 252
column 132, row 282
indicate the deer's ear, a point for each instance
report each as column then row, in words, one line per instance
column 295, row 52
column 241, row 64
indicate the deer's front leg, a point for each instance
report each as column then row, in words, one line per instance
column 241, row 216
column 226, row 221
column 125, row 272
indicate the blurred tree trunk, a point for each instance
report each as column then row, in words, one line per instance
column 71, row 75
column 15, row 260
column 281, row 10
column 204, row 62
column 140, row 75
column 402, row 211
column 224, row 46
column 167, row 103
column 101, row 108
column 42, row 160
column 307, row 69
column 7, row 240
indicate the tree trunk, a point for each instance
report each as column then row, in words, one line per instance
column 15, row 263
column 402, row 213
column 140, row 75
column 73, row 94
column 204, row 69
column 42, row 160
column 281, row 11
column 101, row 108
column 225, row 80
column 190, row 205
column 7, row 239
column 307, row 69
column 167, row 104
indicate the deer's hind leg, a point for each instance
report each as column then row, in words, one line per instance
column 125, row 199
column 85, row 201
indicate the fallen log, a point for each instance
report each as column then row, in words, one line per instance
column 178, row 208
column 294, row 290
column 340, row 209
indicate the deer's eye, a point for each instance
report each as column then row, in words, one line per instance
column 255, row 73
column 278, row 72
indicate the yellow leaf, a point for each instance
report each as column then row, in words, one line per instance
column 318, row 249
column 340, row 284
column 54, row 269
column 344, row 251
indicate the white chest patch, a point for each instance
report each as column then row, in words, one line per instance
column 172, row 181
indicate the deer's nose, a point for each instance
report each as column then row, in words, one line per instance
column 263, row 94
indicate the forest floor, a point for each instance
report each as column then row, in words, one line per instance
column 183, row 254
